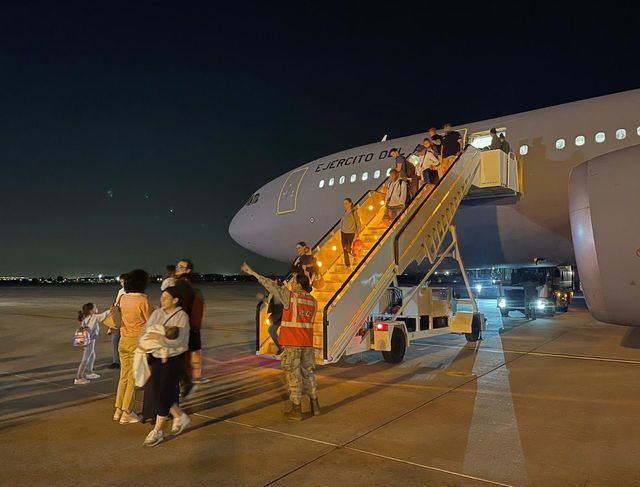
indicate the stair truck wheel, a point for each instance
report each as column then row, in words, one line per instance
column 398, row 347
column 476, row 325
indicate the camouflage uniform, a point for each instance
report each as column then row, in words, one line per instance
column 298, row 364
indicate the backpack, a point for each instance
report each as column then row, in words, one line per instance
column 82, row 337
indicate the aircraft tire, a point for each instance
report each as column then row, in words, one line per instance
column 398, row 347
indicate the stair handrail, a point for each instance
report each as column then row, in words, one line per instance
column 347, row 282
column 356, row 205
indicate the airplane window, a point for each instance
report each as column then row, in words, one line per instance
column 600, row 137
column 621, row 134
column 376, row 174
column 353, row 178
column 255, row 198
column 638, row 130
column 365, row 176
column 580, row 140
column 321, row 183
column 341, row 181
column 560, row 144
column 331, row 181
column 388, row 172
column 524, row 149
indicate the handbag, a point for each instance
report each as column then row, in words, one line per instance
column 114, row 318
column 82, row 337
column 357, row 246
column 318, row 283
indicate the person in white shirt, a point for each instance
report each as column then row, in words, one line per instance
column 427, row 167
column 166, row 340
column 396, row 197
column 115, row 332
column 90, row 319
column 170, row 279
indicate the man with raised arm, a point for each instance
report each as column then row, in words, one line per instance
column 296, row 337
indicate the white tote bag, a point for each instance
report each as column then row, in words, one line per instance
column 141, row 372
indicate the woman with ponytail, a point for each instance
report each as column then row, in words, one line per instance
column 90, row 319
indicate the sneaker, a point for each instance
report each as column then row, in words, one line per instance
column 117, row 415
column 80, row 381
column 179, row 424
column 114, row 366
column 128, row 418
column 153, row 438
column 92, row 376
column 200, row 380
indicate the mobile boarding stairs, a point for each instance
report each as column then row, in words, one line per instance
column 356, row 307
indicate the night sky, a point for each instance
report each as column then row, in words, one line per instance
column 129, row 136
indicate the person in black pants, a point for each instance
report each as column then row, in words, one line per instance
column 350, row 227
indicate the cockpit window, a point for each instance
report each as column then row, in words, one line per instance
column 253, row 200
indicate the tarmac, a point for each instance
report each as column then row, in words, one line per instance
column 549, row 402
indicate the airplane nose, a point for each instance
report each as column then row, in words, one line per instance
column 238, row 228
column 245, row 228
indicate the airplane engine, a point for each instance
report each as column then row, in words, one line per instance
column 604, row 207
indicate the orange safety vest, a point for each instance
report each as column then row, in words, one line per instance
column 296, row 328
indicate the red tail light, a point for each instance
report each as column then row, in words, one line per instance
column 382, row 327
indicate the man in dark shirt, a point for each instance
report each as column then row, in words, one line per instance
column 297, row 265
column 399, row 162
column 436, row 141
column 451, row 146
column 504, row 145
column 192, row 303
column 495, row 140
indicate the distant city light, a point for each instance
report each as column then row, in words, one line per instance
column 110, row 193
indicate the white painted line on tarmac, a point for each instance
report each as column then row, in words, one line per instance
column 337, row 446
column 428, row 467
column 268, row 430
column 544, row 354
column 61, row 386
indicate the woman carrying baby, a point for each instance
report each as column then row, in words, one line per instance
column 166, row 339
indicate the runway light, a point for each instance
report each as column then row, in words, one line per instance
column 502, row 303
column 334, row 248
column 319, row 263
column 382, row 327
column 540, row 304
column 382, row 203
column 479, row 288
column 370, row 207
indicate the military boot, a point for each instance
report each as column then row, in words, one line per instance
column 315, row 406
column 295, row 413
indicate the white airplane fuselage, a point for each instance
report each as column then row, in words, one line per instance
column 306, row 201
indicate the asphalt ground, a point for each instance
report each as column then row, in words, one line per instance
column 554, row 401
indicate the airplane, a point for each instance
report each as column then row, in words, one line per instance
column 579, row 200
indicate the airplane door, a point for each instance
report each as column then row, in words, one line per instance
column 288, row 199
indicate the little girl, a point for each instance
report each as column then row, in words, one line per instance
column 89, row 318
